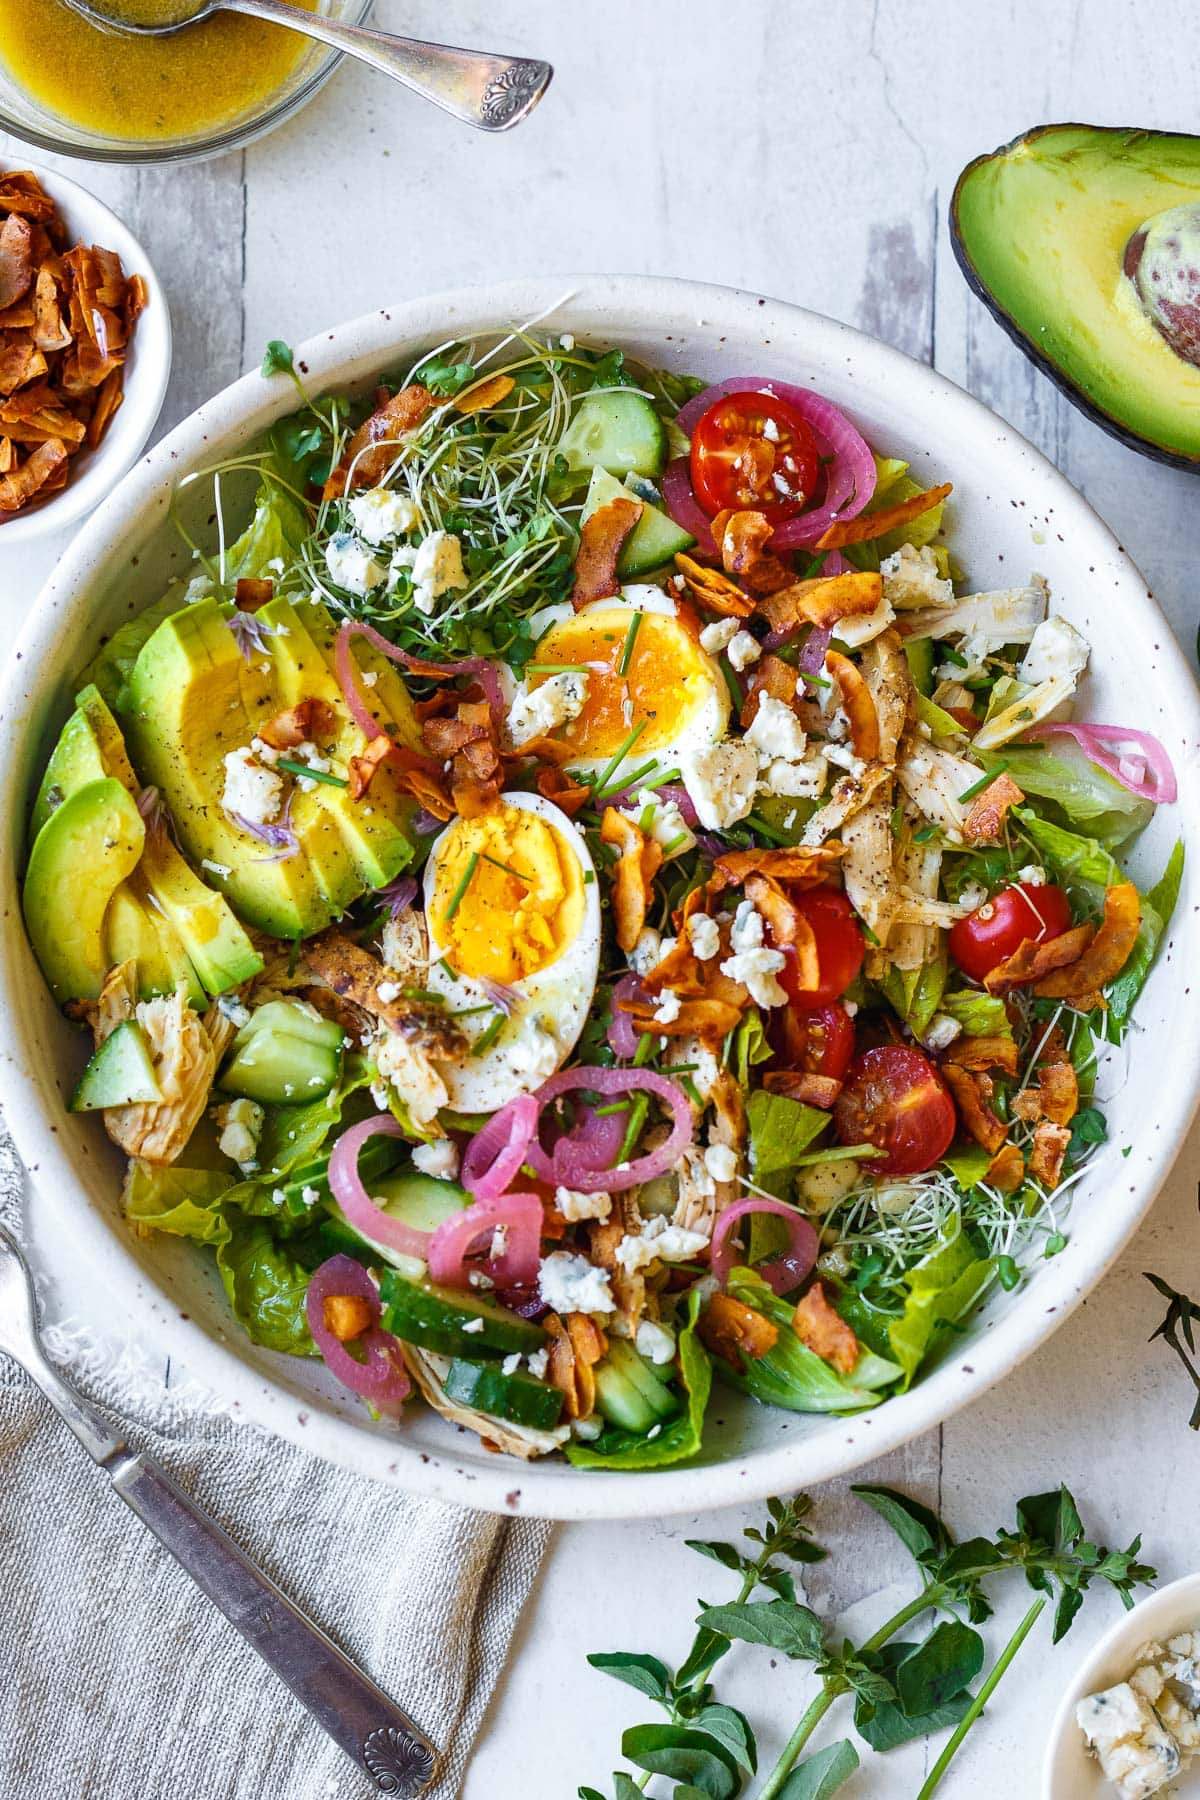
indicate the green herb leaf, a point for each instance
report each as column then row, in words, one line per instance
column 445, row 378
column 645, row 1673
column 920, row 1531
column 687, row 1755
column 732, row 1729
column 727, row 1555
column 823, row 1774
column 884, row 1726
column 939, row 1669
column 781, row 1624
column 278, row 358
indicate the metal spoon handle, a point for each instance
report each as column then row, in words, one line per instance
column 487, row 91
column 371, row 1728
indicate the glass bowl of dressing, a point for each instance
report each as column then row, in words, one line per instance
column 71, row 87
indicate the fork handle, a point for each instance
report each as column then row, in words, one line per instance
column 385, row 1743
column 490, row 91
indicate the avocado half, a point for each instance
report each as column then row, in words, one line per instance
column 1048, row 231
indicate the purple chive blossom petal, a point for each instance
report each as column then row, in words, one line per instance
column 505, row 999
column 398, row 895
column 250, row 634
column 279, row 837
column 424, row 823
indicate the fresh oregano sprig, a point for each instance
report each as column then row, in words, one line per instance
column 1179, row 1330
column 900, row 1689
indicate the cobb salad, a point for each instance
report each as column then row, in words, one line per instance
column 580, row 896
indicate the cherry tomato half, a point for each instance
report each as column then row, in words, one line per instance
column 819, row 1041
column 754, row 451
column 896, row 1099
column 840, row 948
column 980, row 942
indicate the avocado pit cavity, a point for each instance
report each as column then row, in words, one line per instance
column 1162, row 260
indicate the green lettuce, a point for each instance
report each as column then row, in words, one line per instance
column 750, row 1047
column 1158, row 904
column 942, row 1288
column 893, row 483
column 277, row 531
column 109, row 668
column 781, row 1130
column 979, row 1014
column 679, row 1437
column 1075, row 861
column 916, row 994
column 266, row 1288
column 185, row 1202
column 793, row 1376
column 1078, row 791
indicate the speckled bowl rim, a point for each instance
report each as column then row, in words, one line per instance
column 261, row 1388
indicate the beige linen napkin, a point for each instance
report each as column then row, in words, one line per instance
column 121, row 1682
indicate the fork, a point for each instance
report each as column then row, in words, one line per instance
column 388, row 1747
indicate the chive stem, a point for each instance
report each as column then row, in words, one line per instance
column 488, row 1036
column 310, row 774
column 599, row 786
column 630, row 640
column 985, row 781
column 981, row 1699
column 464, row 882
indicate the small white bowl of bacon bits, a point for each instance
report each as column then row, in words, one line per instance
column 1128, row 1726
column 85, row 352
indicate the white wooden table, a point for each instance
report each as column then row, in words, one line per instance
column 806, row 151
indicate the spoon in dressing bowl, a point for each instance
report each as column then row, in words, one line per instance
column 491, row 92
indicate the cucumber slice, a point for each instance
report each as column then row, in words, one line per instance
column 620, row 432
column 285, row 1056
column 444, row 1319
column 520, row 1398
column 121, row 1073
column 628, row 1392
column 378, row 1157
column 421, row 1201
column 654, row 540
column 920, row 664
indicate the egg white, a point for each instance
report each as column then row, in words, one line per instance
column 552, row 1004
column 708, row 720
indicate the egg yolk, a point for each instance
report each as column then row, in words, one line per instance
column 667, row 677
column 508, row 895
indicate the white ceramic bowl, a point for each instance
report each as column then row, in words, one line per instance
column 94, row 473
column 1069, row 1773
column 1011, row 512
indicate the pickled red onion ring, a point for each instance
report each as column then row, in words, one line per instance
column 480, row 667
column 1148, row 772
column 568, row 1163
column 346, row 1186
column 782, row 1272
column 515, row 1263
column 850, row 476
column 494, row 1154
column 622, row 1034
column 381, row 1378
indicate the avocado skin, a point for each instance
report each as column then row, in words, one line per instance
column 1121, row 137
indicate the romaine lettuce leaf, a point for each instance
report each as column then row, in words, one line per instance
column 275, row 533
column 893, row 484
column 679, row 1437
column 185, row 1202
column 916, row 994
column 979, row 1014
column 1073, row 860
column 109, row 668
column 781, row 1130
column 1078, row 790
column 1157, row 906
column 266, row 1288
column 793, row 1376
column 750, row 1046
column 942, row 1288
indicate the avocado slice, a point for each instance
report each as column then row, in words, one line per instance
column 373, row 832
column 86, row 849
column 1063, row 234
column 136, row 931
column 198, row 932
column 185, row 710
column 387, row 699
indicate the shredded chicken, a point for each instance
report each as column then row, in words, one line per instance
column 867, row 862
column 885, row 670
column 185, row 1049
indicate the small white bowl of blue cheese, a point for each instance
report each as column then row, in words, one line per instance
column 1128, row 1728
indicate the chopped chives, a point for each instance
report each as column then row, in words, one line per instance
column 645, row 1049
column 768, row 831
column 618, row 1106
column 734, row 686
column 646, row 817
column 635, row 625
column 425, row 995
column 692, row 1091
column 467, row 1012
column 507, row 868
column 661, row 779
column 924, row 834
column 599, row 786
column 633, row 1130
column 985, row 781
column 635, row 779
column 444, row 966
column 675, row 843
column 294, row 957
column 464, row 882
column 558, row 669
column 299, row 768
column 487, row 1038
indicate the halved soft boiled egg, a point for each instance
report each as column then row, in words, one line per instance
column 512, row 907
column 670, row 686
